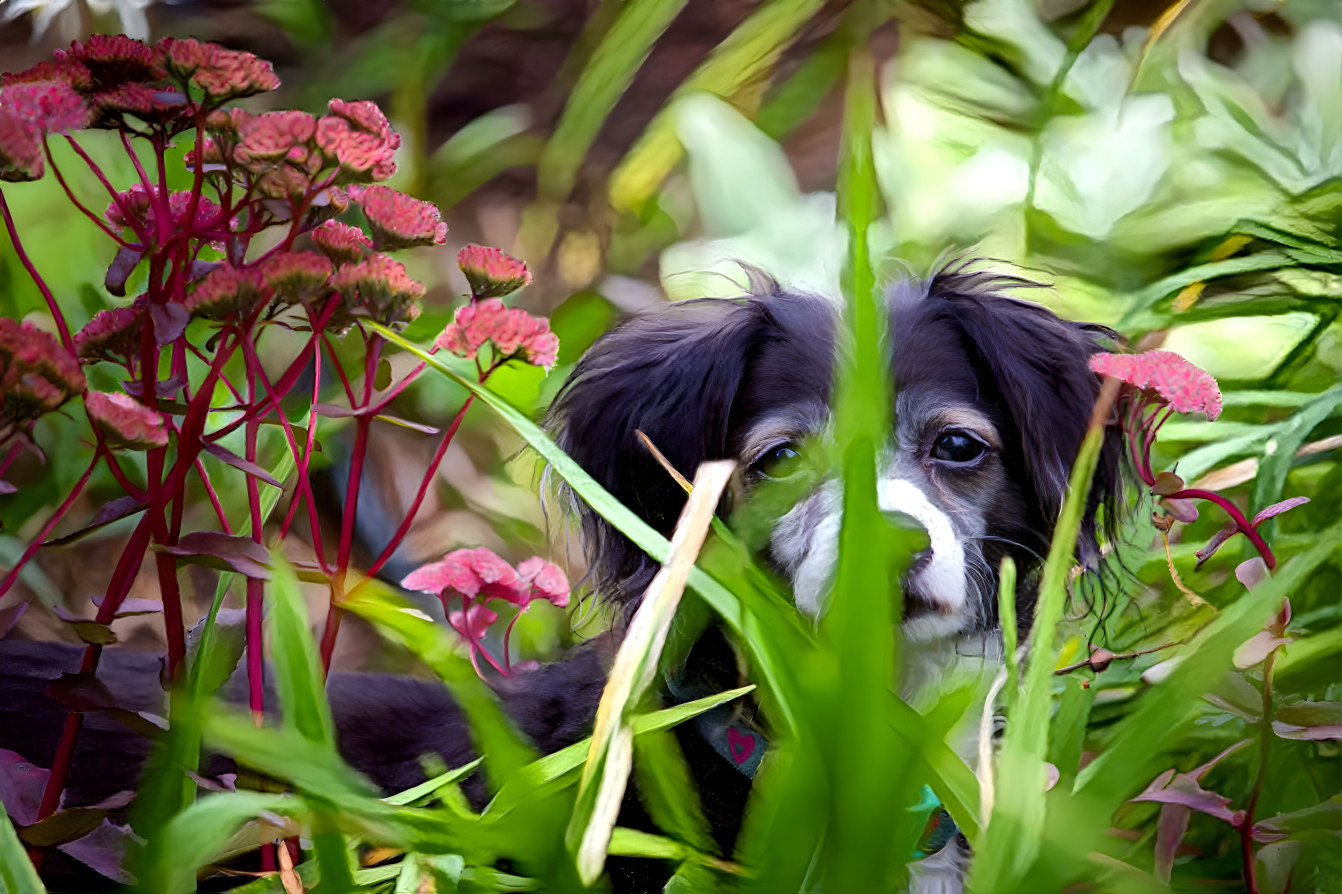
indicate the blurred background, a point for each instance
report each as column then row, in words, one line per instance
column 1171, row 169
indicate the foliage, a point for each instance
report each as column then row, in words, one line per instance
column 1182, row 195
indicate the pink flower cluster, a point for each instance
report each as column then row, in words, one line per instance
column 112, row 335
column 1166, row 378
column 37, row 375
column 512, row 331
column 491, row 273
column 475, row 576
column 397, row 220
column 124, row 421
column 29, row 110
column 134, row 208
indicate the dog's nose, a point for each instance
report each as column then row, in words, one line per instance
column 909, row 508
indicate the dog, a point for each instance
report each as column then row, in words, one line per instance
column 993, row 397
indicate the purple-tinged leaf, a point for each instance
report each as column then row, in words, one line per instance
column 87, row 629
column 7, row 488
column 85, row 692
column 104, row 850
column 1199, row 772
column 226, row 782
column 1170, row 831
column 169, row 322
column 224, row 455
column 1251, row 573
column 165, row 388
column 199, row 269
column 123, row 265
column 227, row 552
column 1277, row 509
column 1230, row 529
column 1180, row 510
column 1312, row 721
column 73, row 822
column 1172, row 787
column 132, row 606
column 21, row 785
column 10, row 616
column 121, row 507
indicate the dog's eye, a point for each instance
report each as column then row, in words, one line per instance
column 957, row 447
column 782, row 461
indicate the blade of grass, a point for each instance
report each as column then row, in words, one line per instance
column 297, row 667
column 606, row 772
column 17, row 875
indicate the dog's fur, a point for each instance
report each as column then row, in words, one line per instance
column 993, row 396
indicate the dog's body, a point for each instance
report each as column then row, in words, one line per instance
column 993, row 397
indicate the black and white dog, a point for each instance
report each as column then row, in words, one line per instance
column 993, row 396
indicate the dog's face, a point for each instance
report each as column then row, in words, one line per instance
column 992, row 398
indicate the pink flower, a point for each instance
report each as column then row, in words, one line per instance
column 112, row 60
column 359, row 139
column 69, row 70
column 222, row 74
column 37, row 375
column 140, row 205
column 365, row 115
column 124, row 421
column 381, row 285
column 270, row 136
column 224, row 291
column 545, row 579
column 470, row 573
column 399, row 221
column 1178, row 384
column 512, row 331
column 21, row 155
column 296, row 276
column 491, row 273
column 47, row 106
column 473, row 624
column 341, row 242
column 284, row 182
column 111, row 335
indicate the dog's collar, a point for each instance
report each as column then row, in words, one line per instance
column 729, row 732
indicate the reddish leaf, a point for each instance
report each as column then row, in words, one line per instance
column 121, row 507
column 223, row 551
column 169, row 322
column 1230, row 529
column 1170, row 833
column 21, row 786
column 85, row 692
column 1183, row 789
column 1325, row 815
column 1277, row 509
column 335, row 411
column 104, row 850
column 227, row 456
column 132, row 606
column 125, row 262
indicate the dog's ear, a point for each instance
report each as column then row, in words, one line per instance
column 675, row 376
column 1039, row 365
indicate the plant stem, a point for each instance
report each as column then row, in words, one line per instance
column 42, row 535
column 1235, row 515
column 1245, row 827
column 56, row 314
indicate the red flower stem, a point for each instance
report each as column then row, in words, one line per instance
column 131, row 220
column 214, row 497
column 205, row 358
column 27, row 263
column 254, row 586
column 36, row 543
column 314, row 523
column 301, row 458
column 340, row 370
column 507, row 636
column 163, row 215
column 1195, row 493
column 429, row 475
column 1245, row 826
column 139, row 168
column 331, row 628
column 10, row 455
column 98, row 220
column 117, row 588
column 395, row 391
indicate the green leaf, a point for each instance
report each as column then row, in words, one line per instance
column 298, row 670
column 17, row 875
column 424, row 789
column 1279, row 452
column 201, row 834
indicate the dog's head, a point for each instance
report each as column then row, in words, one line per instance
column 992, row 399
